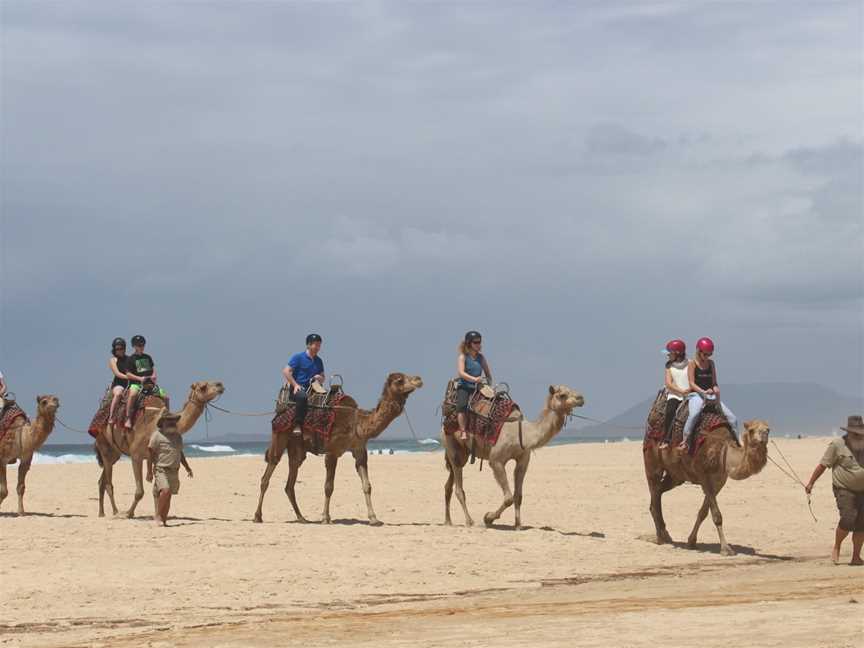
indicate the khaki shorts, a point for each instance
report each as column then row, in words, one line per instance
column 166, row 480
column 851, row 507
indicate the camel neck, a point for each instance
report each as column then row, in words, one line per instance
column 189, row 415
column 42, row 427
column 745, row 461
column 548, row 424
column 376, row 421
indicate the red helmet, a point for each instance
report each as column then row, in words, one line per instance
column 676, row 346
column 705, row 345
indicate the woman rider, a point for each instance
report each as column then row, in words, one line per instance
column 470, row 366
column 119, row 365
column 703, row 382
column 677, row 384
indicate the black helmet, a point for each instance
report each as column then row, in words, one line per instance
column 138, row 340
column 118, row 343
column 312, row 337
column 470, row 336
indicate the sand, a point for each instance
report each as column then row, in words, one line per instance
column 581, row 574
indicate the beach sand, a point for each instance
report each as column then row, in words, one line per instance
column 581, row 574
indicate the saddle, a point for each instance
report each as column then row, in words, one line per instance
column 320, row 414
column 148, row 397
column 10, row 414
column 488, row 409
column 709, row 419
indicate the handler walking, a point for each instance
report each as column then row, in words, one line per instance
column 166, row 456
column 845, row 457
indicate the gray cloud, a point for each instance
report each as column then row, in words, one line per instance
column 580, row 183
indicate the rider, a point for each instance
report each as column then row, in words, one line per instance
column 702, row 375
column 142, row 371
column 119, row 365
column 302, row 369
column 677, row 384
column 470, row 366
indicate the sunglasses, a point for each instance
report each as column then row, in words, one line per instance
column 477, row 342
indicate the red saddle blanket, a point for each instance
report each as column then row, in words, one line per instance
column 11, row 413
column 100, row 419
column 484, row 418
column 319, row 418
column 710, row 419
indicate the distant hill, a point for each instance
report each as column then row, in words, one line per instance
column 790, row 408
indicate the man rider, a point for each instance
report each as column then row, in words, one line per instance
column 302, row 369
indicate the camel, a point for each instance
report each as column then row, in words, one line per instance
column 111, row 445
column 719, row 457
column 352, row 429
column 22, row 440
column 515, row 442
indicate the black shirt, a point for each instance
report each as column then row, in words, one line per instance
column 141, row 364
column 704, row 378
column 123, row 366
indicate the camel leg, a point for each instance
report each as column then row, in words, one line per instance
column 272, row 456
column 717, row 517
column 4, row 490
column 361, row 463
column 137, row 470
column 518, row 480
column 460, row 491
column 448, row 491
column 294, row 462
column 23, row 469
column 501, row 477
column 700, row 518
column 657, row 487
column 106, row 483
column 330, row 464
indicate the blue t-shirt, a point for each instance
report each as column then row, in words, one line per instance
column 305, row 368
column 473, row 367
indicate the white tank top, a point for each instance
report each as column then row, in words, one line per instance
column 679, row 378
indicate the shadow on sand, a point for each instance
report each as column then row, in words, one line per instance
column 48, row 515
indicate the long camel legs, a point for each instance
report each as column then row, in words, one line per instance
column 717, row 517
column 460, row 491
column 658, row 485
column 23, row 469
column 4, row 490
column 272, row 456
column 295, row 459
column 330, row 464
column 106, row 480
column 361, row 463
column 448, row 491
column 137, row 470
column 518, row 481
column 501, row 477
column 700, row 518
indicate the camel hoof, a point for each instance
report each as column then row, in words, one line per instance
column 727, row 551
column 448, row 522
column 375, row 522
column 302, row 520
column 691, row 543
column 258, row 519
column 469, row 522
column 326, row 520
column 488, row 519
column 517, row 527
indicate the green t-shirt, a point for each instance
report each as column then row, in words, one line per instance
column 846, row 472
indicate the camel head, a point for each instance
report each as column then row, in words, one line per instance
column 47, row 405
column 398, row 386
column 563, row 399
column 205, row 391
column 756, row 433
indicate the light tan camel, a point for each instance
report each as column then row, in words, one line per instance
column 719, row 458
column 111, row 445
column 22, row 440
column 510, row 446
column 352, row 429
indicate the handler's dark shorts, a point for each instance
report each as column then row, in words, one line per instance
column 462, row 397
column 851, row 507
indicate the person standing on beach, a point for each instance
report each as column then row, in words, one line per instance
column 845, row 457
column 471, row 365
column 163, row 469
column 302, row 369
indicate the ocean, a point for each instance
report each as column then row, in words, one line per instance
column 83, row 453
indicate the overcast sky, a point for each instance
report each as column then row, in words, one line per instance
column 578, row 181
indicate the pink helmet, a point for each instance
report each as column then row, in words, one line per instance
column 705, row 345
column 676, row 346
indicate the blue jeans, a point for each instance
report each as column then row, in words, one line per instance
column 695, row 403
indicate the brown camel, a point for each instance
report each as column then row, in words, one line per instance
column 23, row 439
column 717, row 458
column 111, row 445
column 352, row 429
column 512, row 444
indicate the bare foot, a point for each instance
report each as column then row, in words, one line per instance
column 835, row 555
column 462, row 435
column 128, row 425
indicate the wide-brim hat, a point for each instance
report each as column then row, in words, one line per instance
column 168, row 420
column 854, row 424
